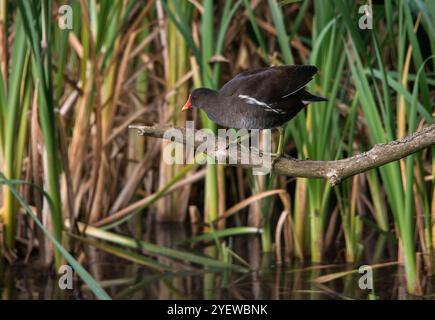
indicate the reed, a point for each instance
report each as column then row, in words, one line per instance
column 11, row 109
column 174, row 207
column 68, row 96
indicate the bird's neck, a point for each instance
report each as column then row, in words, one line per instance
column 209, row 99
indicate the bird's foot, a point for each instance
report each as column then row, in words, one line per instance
column 271, row 154
column 276, row 156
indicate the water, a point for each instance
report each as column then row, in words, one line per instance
column 126, row 280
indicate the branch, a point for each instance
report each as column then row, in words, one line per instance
column 334, row 171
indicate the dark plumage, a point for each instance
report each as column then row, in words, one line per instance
column 257, row 99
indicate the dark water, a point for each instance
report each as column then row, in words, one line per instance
column 269, row 280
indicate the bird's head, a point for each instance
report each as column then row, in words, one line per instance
column 197, row 98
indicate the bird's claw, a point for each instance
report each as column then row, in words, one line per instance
column 276, row 158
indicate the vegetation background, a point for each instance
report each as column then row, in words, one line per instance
column 73, row 173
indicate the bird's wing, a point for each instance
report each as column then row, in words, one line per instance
column 268, row 85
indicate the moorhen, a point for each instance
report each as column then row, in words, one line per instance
column 262, row 98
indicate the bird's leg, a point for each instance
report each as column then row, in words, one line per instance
column 280, row 150
column 239, row 141
column 243, row 138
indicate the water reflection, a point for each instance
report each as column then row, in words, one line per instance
column 125, row 280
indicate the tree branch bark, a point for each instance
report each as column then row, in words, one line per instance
column 335, row 170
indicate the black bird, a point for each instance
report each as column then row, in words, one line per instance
column 262, row 98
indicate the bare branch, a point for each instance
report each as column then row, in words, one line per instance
column 335, row 170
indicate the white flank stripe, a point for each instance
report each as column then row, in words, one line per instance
column 306, row 102
column 252, row 100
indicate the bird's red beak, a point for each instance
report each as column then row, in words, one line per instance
column 187, row 105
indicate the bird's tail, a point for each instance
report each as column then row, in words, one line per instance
column 308, row 98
